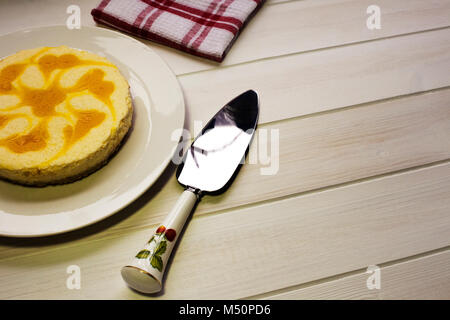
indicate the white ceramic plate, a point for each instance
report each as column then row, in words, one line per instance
column 159, row 112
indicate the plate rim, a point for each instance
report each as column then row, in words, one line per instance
column 145, row 183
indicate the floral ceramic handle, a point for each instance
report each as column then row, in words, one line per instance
column 146, row 271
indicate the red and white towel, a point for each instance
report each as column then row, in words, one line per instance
column 205, row 28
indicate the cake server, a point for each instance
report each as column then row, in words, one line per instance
column 208, row 167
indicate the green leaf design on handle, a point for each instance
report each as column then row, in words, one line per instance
column 156, row 262
column 161, row 248
column 155, row 256
column 143, row 254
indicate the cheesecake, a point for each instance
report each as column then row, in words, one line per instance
column 63, row 113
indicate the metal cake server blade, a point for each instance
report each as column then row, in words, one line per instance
column 208, row 167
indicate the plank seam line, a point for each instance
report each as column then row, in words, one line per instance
column 348, row 44
column 341, row 276
column 281, row 2
column 358, row 105
column 326, row 188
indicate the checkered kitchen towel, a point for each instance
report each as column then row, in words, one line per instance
column 205, row 28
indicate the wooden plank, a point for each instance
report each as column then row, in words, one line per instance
column 299, row 26
column 427, row 277
column 278, row 29
column 338, row 147
column 314, row 152
column 306, row 238
column 324, row 80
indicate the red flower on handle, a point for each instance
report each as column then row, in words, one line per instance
column 170, row 234
column 161, row 229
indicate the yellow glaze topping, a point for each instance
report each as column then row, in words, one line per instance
column 43, row 101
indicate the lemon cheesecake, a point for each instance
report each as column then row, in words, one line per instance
column 63, row 113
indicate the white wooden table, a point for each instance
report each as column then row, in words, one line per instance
column 363, row 118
